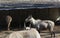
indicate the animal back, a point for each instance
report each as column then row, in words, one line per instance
column 8, row 19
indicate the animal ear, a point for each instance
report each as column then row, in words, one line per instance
column 30, row 15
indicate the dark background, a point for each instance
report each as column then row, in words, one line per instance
column 19, row 16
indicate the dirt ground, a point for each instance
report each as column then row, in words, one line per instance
column 44, row 34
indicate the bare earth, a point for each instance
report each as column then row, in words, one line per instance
column 44, row 34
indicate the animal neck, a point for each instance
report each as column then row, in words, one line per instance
column 33, row 21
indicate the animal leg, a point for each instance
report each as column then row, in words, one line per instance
column 51, row 34
column 9, row 26
column 54, row 34
column 30, row 26
column 24, row 26
column 39, row 31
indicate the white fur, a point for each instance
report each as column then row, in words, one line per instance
column 58, row 19
column 27, row 28
column 51, row 24
column 45, row 23
column 32, row 33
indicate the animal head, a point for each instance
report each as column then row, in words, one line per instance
column 58, row 19
column 29, row 18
